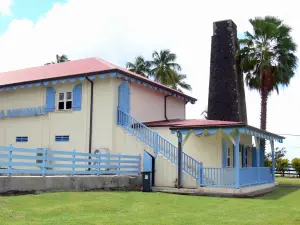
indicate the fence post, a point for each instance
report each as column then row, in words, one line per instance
column 99, row 164
column 200, row 169
column 155, row 143
column 73, row 161
column 45, row 153
column 119, row 163
column 139, row 165
column 9, row 160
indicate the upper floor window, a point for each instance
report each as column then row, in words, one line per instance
column 65, row 100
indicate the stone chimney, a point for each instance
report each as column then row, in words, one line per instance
column 226, row 100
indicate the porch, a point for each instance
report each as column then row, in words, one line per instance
column 241, row 164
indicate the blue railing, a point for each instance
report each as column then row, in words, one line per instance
column 157, row 142
column 45, row 162
column 218, row 177
column 226, row 177
column 255, row 175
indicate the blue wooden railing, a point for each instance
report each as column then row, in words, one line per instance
column 226, row 177
column 157, row 142
column 218, row 177
column 255, row 175
column 44, row 162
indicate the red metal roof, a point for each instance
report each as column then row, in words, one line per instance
column 72, row 68
column 191, row 123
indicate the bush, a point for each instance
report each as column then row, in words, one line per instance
column 296, row 165
column 282, row 165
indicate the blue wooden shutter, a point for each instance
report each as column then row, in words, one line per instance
column 224, row 153
column 233, row 155
column 77, row 92
column 243, row 156
column 50, row 99
column 124, row 97
column 253, row 156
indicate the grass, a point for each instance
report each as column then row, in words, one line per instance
column 288, row 181
column 279, row 207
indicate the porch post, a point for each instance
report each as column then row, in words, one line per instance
column 257, row 143
column 237, row 158
column 179, row 160
column 273, row 160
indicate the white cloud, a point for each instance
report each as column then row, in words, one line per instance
column 117, row 31
column 5, row 7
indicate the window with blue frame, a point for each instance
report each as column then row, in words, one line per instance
column 21, row 139
column 62, row 138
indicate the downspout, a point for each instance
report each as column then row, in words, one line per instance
column 166, row 106
column 91, row 118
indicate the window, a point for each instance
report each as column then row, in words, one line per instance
column 246, row 156
column 64, row 100
column 62, row 138
column 228, row 157
column 21, row 139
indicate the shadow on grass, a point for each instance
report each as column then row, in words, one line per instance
column 279, row 193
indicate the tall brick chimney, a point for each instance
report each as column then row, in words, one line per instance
column 226, row 100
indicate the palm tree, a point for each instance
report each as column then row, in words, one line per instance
column 267, row 58
column 139, row 66
column 59, row 59
column 180, row 83
column 166, row 71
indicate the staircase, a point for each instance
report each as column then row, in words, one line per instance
column 158, row 143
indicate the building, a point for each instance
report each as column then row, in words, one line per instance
column 91, row 105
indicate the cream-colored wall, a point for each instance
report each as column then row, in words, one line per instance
column 41, row 130
column 147, row 105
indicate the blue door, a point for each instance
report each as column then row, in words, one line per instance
column 148, row 164
column 124, row 97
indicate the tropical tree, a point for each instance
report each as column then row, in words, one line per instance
column 282, row 165
column 180, row 83
column 59, row 59
column 296, row 165
column 139, row 66
column 267, row 59
column 163, row 68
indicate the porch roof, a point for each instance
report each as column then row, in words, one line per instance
column 212, row 126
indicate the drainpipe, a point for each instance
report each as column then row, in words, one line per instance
column 91, row 118
column 166, row 106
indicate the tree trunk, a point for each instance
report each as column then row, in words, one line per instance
column 263, row 114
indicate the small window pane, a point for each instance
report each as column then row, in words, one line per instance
column 228, row 162
column 61, row 96
column 69, row 95
column 61, row 105
column 69, row 105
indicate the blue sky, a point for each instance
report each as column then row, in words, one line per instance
column 27, row 9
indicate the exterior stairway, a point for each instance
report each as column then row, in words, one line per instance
column 159, row 145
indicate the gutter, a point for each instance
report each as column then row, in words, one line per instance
column 166, row 107
column 91, row 118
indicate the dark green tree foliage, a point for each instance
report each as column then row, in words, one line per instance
column 268, row 59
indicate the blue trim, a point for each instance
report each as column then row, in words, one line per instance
column 224, row 153
column 21, row 139
column 254, row 163
column 65, row 138
column 237, row 158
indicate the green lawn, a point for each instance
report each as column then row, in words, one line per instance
column 84, row 208
column 288, row 181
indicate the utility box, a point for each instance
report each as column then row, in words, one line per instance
column 146, row 176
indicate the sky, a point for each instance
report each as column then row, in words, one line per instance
column 32, row 32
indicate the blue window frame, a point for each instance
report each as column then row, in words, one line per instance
column 62, row 138
column 21, row 139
